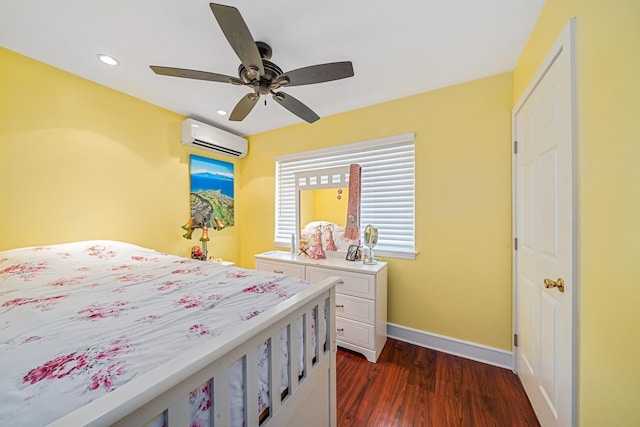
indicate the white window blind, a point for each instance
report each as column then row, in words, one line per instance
column 387, row 196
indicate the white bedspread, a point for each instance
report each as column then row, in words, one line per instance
column 78, row 320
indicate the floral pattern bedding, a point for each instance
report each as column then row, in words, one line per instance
column 78, row 320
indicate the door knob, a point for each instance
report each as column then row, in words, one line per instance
column 548, row 283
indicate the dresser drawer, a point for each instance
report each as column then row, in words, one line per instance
column 354, row 308
column 355, row 333
column 354, row 284
column 295, row 270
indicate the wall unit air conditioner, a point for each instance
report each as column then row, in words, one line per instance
column 210, row 138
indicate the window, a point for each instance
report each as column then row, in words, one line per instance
column 387, row 196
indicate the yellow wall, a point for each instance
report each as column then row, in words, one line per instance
column 608, row 105
column 307, row 208
column 80, row 161
column 463, row 203
column 323, row 205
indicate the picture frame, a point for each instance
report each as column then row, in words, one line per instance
column 352, row 253
column 212, row 192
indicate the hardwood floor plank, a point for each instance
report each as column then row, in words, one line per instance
column 415, row 386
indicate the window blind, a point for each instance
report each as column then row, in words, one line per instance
column 387, row 196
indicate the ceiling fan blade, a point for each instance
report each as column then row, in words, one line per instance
column 244, row 107
column 317, row 74
column 296, row 107
column 238, row 35
column 194, row 74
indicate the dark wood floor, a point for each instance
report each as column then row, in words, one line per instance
column 416, row 386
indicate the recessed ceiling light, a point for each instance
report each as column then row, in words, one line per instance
column 109, row 60
column 222, row 112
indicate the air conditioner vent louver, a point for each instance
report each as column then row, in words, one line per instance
column 210, row 138
column 219, row 148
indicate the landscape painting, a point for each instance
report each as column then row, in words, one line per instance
column 211, row 192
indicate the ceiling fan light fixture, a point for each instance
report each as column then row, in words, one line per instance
column 221, row 112
column 109, row 60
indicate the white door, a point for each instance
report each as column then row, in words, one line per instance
column 545, row 228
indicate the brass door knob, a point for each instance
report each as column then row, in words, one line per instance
column 548, row 283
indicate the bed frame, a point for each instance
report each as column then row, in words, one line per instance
column 311, row 396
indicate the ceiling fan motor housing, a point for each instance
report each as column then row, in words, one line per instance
column 263, row 84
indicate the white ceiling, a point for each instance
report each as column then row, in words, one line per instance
column 398, row 48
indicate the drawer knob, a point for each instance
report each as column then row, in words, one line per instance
column 278, row 271
column 340, row 329
column 339, row 305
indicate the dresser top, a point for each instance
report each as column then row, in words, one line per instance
column 329, row 262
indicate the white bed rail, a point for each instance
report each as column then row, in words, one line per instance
column 167, row 387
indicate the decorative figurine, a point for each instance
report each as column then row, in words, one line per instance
column 303, row 247
column 317, row 252
column 196, row 253
column 331, row 244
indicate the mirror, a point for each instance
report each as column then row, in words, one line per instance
column 323, row 214
column 322, row 200
column 324, row 205
column 370, row 240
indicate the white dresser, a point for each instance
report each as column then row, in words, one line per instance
column 361, row 301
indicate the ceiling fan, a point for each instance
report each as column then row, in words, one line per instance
column 257, row 72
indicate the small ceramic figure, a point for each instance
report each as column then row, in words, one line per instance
column 317, row 252
column 331, row 244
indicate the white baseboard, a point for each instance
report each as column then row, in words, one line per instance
column 466, row 349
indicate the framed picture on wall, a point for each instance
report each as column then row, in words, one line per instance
column 352, row 253
column 212, row 185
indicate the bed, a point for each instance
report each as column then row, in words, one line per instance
column 109, row 333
